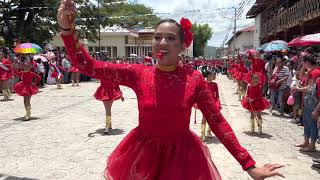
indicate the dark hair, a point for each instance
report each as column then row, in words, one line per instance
column 181, row 32
column 310, row 58
column 268, row 57
column 210, row 72
column 310, row 50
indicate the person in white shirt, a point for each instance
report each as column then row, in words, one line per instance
column 66, row 66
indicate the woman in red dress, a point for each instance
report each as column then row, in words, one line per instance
column 6, row 73
column 211, row 76
column 107, row 92
column 75, row 75
column 255, row 102
column 27, row 87
column 162, row 146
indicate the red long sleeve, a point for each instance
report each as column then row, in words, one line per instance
column 124, row 74
column 220, row 126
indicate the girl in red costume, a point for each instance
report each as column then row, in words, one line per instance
column 108, row 92
column 75, row 75
column 27, row 87
column 165, row 94
column 211, row 76
column 56, row 72
column 257, row 66
column 239, row 74
column 6, row 73
column 255, row 102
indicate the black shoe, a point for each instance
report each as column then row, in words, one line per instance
column 316, row 166
column 316, row 160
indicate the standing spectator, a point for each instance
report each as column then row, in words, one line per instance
column 66, row 66
column 40, row 71
column 280, row 75
column 310, row 103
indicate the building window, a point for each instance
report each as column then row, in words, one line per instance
column 90, row 49
column 115, row 53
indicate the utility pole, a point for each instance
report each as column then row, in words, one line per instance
column 234, row 30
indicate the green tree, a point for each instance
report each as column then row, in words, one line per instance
column 35, row 20
column 129, row 15
column 201, row 35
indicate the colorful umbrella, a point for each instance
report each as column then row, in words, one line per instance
column 27, row 48
column 308, row 40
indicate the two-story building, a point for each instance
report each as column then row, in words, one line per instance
column 242, row 41
column 284, row 19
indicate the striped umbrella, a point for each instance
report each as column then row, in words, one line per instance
column 27, row 48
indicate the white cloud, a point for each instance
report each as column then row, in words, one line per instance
column 208, row 13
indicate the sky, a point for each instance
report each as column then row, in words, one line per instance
column 205, row 12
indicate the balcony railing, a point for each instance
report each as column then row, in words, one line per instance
column 281, row 19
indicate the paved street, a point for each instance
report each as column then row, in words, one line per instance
column 65, row 141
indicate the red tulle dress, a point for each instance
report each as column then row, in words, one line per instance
column 254, row 101
column 108, row 91
column 6, row 73
column 240, row 71
column 232, row 69
column 162, row 146
column 257, row 67
column 73, row 69
column 26, row 87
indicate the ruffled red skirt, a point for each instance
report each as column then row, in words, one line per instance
column 25, row 90
column 256, row 105
column 5, row 75
column 238, row 75
column 55, row 75
column 108, row 94
column 141, row 156
column 74, row 69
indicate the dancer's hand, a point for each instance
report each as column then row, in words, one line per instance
column 266, row 171
column 67, row 12
column 315, row 114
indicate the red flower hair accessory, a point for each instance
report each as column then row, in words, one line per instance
column 186, row 26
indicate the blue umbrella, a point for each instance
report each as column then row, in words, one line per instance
column 273, row 46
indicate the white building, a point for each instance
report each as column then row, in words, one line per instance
column 121, row 42
column 244, row 40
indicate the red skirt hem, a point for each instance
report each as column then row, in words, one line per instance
column 131, row 158
column 257, row 105
column 25, row 90
column 108, row 94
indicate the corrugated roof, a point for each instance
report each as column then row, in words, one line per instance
column 247, row 29
column 258, row 7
